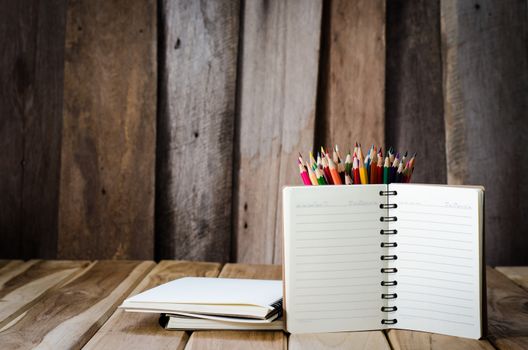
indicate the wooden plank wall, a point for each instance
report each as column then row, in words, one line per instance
column 182, row 120
column 414, row 99
column 106, row 206
column 486, row 100
column 275, row 117
column 31, row 74
column 196, row 119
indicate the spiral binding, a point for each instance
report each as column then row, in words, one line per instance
column 388, row 270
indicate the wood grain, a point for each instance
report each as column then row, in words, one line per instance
column 134, row 330
column 277, row 87
column 31, row 85
column 401, row 340
column 7, row 265
column 196, row 125
column 485, row 101
column 353, row 74
column 70, row 315
column 23, row 285
column 241, row 339
column 108, row 142
column 507, row 312
column 518, row 274
column 265, row 272
column 414, row 100
column 344, row 340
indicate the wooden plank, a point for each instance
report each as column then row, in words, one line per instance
column 243, row 339
column 195, row 132
column 507, row 315
column 108, row 142
column 518, row 274
column 353, row 74
column 401, row 339
column 485, row 87
column 129, row 330
column 266, row 272
column 276, row 117
column 344, row 340
column 70, row 315
column 414, row 100
column 7, row 265
column 31, row 80
column 23, row 285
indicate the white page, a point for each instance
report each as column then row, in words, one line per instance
column 219, row 291
column 439, row 237
column 332, row 258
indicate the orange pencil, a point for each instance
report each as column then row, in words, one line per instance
column 333, row 171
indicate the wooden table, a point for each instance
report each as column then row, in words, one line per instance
column 72, row 304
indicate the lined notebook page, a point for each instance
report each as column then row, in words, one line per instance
column 439, row 237
column 332, row 258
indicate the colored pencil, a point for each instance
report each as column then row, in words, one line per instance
column 329, row 168
column 304, row 175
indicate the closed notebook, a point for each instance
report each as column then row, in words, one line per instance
column 252, row 299
column 182, row 322
column 375, row 257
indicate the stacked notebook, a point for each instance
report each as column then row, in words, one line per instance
column 213, row 303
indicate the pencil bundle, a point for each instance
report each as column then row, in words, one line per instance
column 356, row 169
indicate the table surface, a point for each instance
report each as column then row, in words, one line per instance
column 55, row 304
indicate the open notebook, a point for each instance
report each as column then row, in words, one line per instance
column 384, row 256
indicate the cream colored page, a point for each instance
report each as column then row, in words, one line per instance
column 332, row 258
column 438, row 259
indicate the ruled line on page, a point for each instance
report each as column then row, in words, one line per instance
column 435, row 262
column 435, row 287
column 342, row 213
column 428, row 301
column 400, row 268
column 331, row 222
column 327, row 278
column 433, row 206
column 434, row 295
column 340, row 285
column 404, row 235
column 333, row 262
column 337, row 318
column 431, row 230
column 433, row 254
column 338, row 246
column 434, row 310
column 338, row 254
column 339, row 309
column 435, row 222
column 435, row 279
column 331, row 294
column 321, row 230
column 430, row 213
column 435, row 319
column 432, row 246
column 339, row 270
column 337, row 302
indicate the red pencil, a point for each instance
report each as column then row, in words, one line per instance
column 355, row 169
